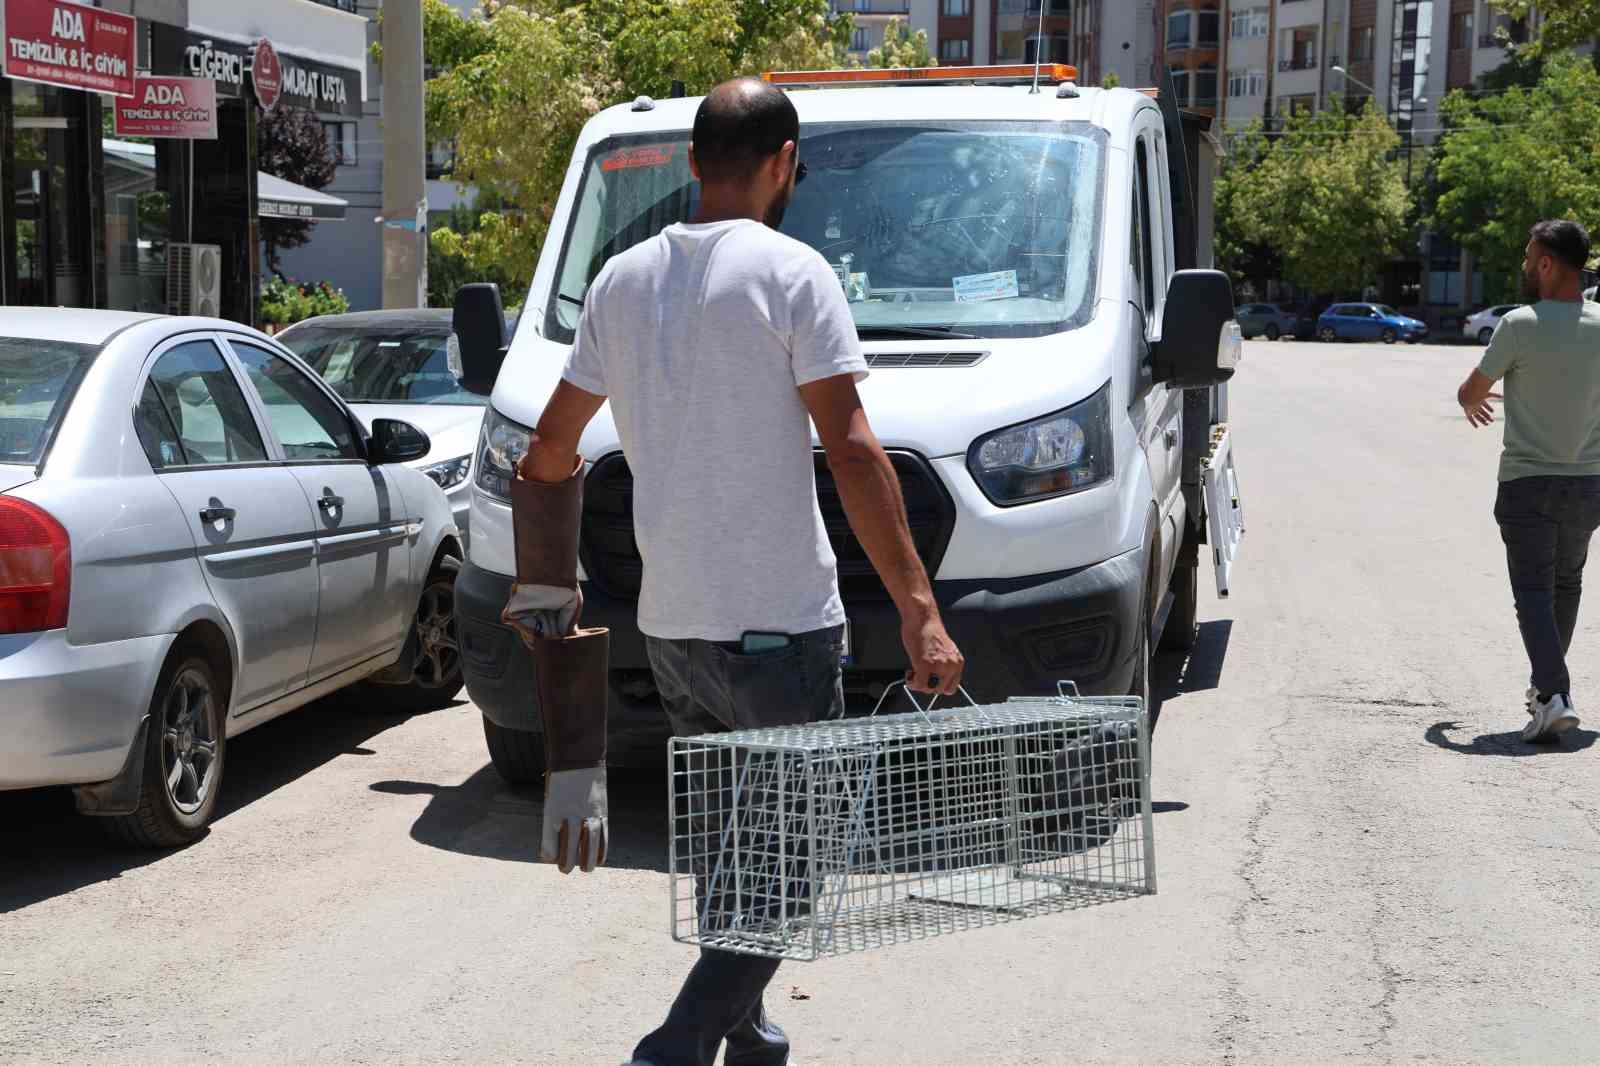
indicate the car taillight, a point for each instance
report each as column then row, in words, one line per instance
column 35, row 568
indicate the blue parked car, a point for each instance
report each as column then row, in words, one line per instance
column 1369, row 322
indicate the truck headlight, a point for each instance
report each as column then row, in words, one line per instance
column 1055, row 455
column 501, row 445
column 451, row 472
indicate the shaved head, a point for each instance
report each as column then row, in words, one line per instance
column 740, row 125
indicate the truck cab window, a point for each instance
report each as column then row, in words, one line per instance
column 1144, row 268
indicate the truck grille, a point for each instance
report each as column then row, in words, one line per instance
column 611, row 555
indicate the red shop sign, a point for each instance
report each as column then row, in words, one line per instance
column 169, row 107
column 267, row 72
column 68, row 44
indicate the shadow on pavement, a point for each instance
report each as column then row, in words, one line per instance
column 1199, row 669
column 1511, row 744
column 47, row 849
column 486, row 817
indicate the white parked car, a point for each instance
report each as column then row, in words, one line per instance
column 1480, row 326
column 196, row 536
column 393, row 364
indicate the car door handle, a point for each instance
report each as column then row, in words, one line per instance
column 212, row 515
column 330, row 502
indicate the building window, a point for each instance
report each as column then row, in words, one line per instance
column 1205, row 85
column 1302, row 104
column 1210, row 23
column 341, row 142
column 1250, row 22
column 1180, row 85
column 1461, row 30
column 957, row 8
column 1057, row 50
column 1299, row 49
column 1178, row 30
column 955, row 49
column 863, row 5
column 859, row 41
column 1247, row 83
column 1363, row 43
column 1409, row 64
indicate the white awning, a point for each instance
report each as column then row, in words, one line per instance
column 276, row 198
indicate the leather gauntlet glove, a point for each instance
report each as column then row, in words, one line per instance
column 569, row 667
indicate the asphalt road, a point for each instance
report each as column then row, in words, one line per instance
column 1359, row 861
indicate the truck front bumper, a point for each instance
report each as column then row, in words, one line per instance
column 1020, row 636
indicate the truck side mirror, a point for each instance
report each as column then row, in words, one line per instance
column 1200, row 343
column 478, row 337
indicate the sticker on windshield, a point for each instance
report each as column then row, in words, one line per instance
column 998, row 285
column 648, row 155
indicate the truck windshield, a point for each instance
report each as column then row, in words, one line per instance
column 979, row 229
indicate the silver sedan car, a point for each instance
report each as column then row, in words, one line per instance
column 196, row 536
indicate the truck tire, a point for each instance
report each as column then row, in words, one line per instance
column 1139, row 685
column 517, row 755
column 183, row 756
column 1180, row 633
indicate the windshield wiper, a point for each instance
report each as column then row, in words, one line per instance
column 884, row 333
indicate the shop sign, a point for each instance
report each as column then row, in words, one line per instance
column 267, row 73
column 301, row 82
column 63, row 43
column 169, row 107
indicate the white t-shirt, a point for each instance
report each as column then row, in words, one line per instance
column 701, row 337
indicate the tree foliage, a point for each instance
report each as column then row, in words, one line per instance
column 901, row 48
column 1326, row 195
column 291, row 144
column 1562, row 24
column 1248, row 263
column 515, row 84
column 1512, row 159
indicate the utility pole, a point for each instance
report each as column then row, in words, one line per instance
column 405, row 212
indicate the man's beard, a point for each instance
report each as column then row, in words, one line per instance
column 1530, row 287
column 780, row 204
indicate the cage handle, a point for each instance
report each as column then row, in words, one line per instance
column 922, row 708
column 1063, row 687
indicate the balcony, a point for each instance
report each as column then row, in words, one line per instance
column 901, row 8
column 342, row 5
column 1297, row 63
column 1488, row 40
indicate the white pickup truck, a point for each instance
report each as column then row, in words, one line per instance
column 1047, row 369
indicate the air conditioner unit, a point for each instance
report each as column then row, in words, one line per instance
column 194, row 279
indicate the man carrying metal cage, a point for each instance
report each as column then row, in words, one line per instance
column 719, row 343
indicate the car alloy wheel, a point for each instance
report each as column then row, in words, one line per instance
column 189, row 741
column 438, row 659
column 1327, row 334
column 1485, row 334
column 1389, row 335
column 1272, row 332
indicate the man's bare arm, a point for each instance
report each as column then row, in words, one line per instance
column 554, row 449
column 1474, row 396
column 870, row 492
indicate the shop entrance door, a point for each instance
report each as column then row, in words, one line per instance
column 47, row 202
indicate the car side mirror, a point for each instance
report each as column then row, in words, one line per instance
column 478, row 341
column 1200, row 343
column 394, row 441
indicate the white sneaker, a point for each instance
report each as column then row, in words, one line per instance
column 1530, row 697
column 1551, row 718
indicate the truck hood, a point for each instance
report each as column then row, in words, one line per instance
column 934, row 410
column 452, row 429
column 11, row 476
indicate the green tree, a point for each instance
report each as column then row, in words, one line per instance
column 1514, row 158
column 515, row 87
column 293, row 145
column 1248, row 262
column 448, row 271
column 901, row 48
column 1110, row 81
column 1327, row 196
column 1563, row 24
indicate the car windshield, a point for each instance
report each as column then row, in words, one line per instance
column 1386, row 311
column 382, row 366
column 984, row 229
column 37, row 380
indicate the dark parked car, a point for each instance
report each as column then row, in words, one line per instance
column 1369, row 322
column 1265, row 320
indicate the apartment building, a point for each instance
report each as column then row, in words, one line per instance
column 1099, row 37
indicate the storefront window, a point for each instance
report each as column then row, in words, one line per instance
column 48, row 203
column 138, row 223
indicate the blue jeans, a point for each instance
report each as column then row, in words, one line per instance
column 710, row 687
column 1546, row 523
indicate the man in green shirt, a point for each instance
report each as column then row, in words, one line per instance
column 1548, row 354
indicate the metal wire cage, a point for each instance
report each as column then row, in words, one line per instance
column 799, row 842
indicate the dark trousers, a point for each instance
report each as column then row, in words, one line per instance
column 1546, row 523
column 710, row 687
